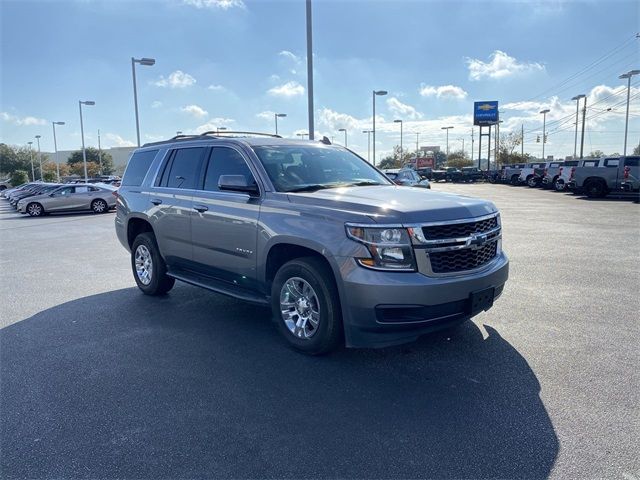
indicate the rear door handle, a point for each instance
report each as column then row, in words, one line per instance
column 201, row 208
column 156, row 201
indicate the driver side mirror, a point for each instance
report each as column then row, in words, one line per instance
column 237, row 183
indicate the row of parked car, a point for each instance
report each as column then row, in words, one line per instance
column 40, row 198
column 594, row 177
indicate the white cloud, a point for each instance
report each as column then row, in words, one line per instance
column 443, row 91
column 402, row 109
column 215, row 4
column 177, row 79
column 213, row 124
column 274, row 78
column 500, row 65
column 195, row 110
column 115, row 140
column 288, row 90
column 267, row 115
column 216, row 88
column 156, row 104
column 289, row 55
column 22, row 121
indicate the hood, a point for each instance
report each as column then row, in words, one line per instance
column 391, row 204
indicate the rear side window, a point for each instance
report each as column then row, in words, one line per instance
column 570, row 163
column 183, row 168
column 632, row 161
column 138, row 167
column 225, row 161
column 591, row 163
column 612, row 162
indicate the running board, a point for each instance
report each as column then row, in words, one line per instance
column 218, row 286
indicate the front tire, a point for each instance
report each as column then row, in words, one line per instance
column 35, row 209
column 149, row 268
column 306, row 306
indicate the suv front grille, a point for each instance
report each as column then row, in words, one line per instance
column 459, row 230
column 463, row 259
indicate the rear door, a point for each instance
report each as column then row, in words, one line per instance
column 613, row 164
column 60, row 199
column 224, row 224
column 171, row 203
column 631, row 171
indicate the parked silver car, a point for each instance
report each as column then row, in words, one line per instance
column 67, row 198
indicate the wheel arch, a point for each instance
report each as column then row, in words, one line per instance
column 136, row 226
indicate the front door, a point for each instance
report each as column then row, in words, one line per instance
column 224, row 224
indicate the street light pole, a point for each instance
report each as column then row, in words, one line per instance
column 575, row 140
column 310, row 70
column 544, row 127
column 33, row 170
column 55, row 147
column 584, row 119
column 417, row 142
column 84, row 152
column 142, row 61
column 99, row 152
column 447, row 129
column 276, row 115
column 401, row 150
column 378, row 92
column 38, row 137
column 345, row 135
column 628, row 76
column 368, row 132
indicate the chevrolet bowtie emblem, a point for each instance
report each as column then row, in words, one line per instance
column 486, row 107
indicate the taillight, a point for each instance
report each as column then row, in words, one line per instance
column 627, row 169
column 560, row 172
column 545, row 171
column 573, row 171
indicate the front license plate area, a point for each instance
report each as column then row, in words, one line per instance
column 481, row 300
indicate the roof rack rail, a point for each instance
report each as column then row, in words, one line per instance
column 178, row 137
column 226, row 132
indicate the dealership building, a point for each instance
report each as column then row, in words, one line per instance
column 120, row 156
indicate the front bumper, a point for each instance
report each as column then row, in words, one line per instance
column 389, row 308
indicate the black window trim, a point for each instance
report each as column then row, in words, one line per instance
column 168, row 163
column 149, row 168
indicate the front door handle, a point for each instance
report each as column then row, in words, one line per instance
column 156, row 201
column 201, row 208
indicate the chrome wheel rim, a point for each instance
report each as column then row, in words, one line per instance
column 98, row 206
column 35, row 209
column 144, row 264
column 300, row 308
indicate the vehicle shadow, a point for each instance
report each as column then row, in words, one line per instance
column 199, row 385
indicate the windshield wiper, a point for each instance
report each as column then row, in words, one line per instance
column 365, row 183
column 310, row 188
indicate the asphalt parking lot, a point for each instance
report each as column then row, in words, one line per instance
column 99, row 381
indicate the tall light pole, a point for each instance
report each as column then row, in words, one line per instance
column 447, row 129
column 33, row 170
column 584, row 121
column 375, row 92
column 84, row 152
column 142, row 61
column 345, row 135
column 99, row 152
column 368, row 132
column 55, row 147
column 544, row 128
column 628, row 76
column 400, row 122
column 575, row 141
column 302, row 135
column 310, row 70
column 417, row 142
column 276, row 116
column 38, row 137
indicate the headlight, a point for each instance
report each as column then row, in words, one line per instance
column 390, row 247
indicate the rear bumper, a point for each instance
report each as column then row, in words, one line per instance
column 386, row 308
column 627, row 186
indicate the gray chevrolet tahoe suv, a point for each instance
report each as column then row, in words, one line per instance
column 338, row 251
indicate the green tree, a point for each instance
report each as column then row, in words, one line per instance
column 14, row 158
column 396, row 160
column 459, row 159
column 93, row 169
column 597, row 154
column 18, row 177
column 93, row 155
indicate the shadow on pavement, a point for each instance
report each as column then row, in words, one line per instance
column 199, row 385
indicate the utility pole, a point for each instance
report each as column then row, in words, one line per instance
column 417, row 141
column 584, row 115
column 575, row 140
column 544, row 126
column 310, row 71
column 99, row 153
column 628, row 76
column 472, row 142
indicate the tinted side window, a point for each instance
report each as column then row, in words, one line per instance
column 184, row 168
column 225, row 161
column 82, row 189
column 612, row 162
column 632, row 161
column 138, row 167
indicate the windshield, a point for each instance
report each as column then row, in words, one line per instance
column 294, row 168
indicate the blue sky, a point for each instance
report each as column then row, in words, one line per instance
column 233, row 63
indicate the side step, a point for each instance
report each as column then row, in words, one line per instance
column 218, row 286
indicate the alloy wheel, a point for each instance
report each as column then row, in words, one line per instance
column 300, row 308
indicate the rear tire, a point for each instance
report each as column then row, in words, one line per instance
column 304, row 292
column 99, row 206
column 149, row 268
column 595, row 189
